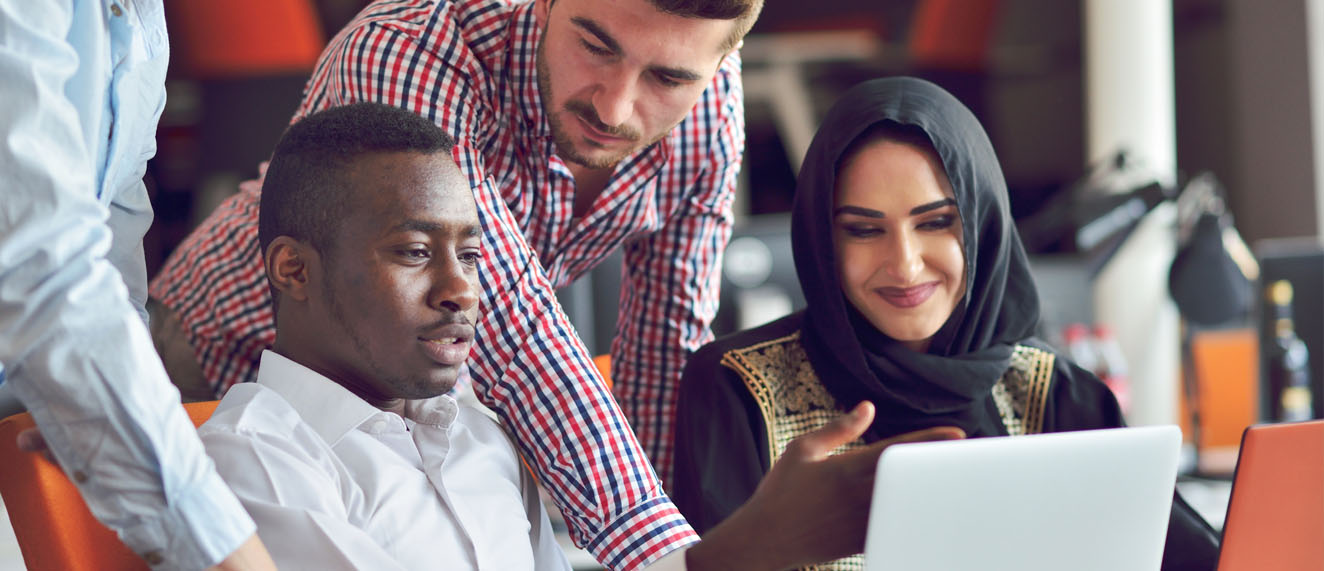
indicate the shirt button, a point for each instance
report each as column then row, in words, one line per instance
column 116, row 10
column 153, row 558
column 80, row 476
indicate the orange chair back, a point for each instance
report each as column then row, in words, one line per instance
column 604, row 366
column 53, row 526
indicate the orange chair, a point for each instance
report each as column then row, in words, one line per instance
column 54, row 528
column 604, row 366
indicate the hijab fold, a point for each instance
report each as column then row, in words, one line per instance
column 950, row 383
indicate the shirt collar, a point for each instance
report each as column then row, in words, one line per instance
column 330, row 409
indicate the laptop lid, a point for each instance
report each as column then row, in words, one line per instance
column 1275, row 517
column 1088, row 500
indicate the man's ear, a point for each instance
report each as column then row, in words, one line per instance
column 287, row 263
column 540, row 10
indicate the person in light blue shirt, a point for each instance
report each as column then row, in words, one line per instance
column 82, row 86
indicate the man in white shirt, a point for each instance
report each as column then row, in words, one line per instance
column 348, row 452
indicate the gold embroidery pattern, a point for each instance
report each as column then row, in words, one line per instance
column 1036, row 368
column 792, row 402
column 1022, row 392
column 1008, row 407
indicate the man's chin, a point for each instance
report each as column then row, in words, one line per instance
column 433, row 387
column 589, row 155
column 593, row 160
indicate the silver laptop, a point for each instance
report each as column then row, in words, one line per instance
column 1095, row 500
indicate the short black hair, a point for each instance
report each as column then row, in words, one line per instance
column 304, row 195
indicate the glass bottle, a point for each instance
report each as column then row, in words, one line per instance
column 1289, row 368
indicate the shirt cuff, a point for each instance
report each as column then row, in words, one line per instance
column 674, row 561
column 199, row 529
column 642, row 535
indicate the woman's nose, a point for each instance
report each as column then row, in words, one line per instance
column 906, row 260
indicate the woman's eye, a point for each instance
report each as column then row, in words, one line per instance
column 470, row 258
column 939, row 223
column 862, row 231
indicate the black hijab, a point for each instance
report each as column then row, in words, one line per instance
column 951, row 382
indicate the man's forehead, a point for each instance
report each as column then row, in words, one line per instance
column 397, row 184
column 638, row 23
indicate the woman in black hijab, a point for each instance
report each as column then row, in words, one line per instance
column 920, row 300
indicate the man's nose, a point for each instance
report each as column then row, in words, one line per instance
column 453, row 288
column 614, row 100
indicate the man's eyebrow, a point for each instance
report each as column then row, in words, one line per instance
column 414, row 225
column 921, row 209
column 675, row 73
column 593, row 28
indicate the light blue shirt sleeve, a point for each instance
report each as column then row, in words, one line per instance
column 82, row 86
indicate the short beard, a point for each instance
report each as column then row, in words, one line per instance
column 564, row 146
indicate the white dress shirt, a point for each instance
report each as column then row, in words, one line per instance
column 81, row 87
column 335, row 483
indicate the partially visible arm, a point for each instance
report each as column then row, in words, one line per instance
column 74, row 349
column 671, row 281
column 251, row 555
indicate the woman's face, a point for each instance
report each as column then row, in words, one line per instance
column 898, row 240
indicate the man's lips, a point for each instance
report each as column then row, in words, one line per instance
column 598, row 135
column 449, row 344
column 907, row 297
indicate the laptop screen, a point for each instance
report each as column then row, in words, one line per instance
column 1089, row 500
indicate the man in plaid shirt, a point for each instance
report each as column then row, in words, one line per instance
column 583, row 126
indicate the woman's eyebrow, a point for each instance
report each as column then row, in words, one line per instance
column 921, row 209
column 858, row 211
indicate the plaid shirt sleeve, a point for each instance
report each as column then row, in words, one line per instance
column 671, row 280
column 530, row 366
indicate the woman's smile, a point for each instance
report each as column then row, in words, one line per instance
column 908, row 297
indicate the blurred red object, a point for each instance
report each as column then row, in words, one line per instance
column 953, row 34
column 243, row 38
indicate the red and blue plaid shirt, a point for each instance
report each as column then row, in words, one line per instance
column 468, row 65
